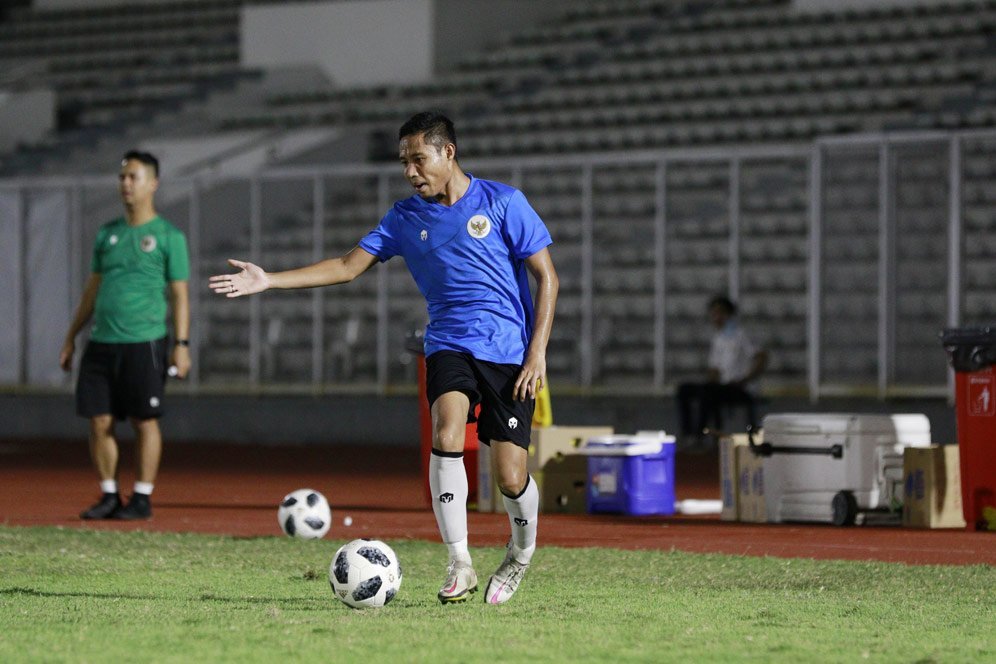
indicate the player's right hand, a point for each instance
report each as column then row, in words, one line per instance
column 66, row 355
column 251, row 279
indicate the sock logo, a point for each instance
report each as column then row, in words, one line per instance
column 512, row 423
column 520, row 522
column 446, row 498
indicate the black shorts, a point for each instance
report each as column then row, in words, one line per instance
column 487, row 383
column 124, row 380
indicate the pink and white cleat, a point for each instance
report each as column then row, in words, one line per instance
column 505, row 581
column 461, row 581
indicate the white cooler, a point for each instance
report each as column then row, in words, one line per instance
column 828, row 467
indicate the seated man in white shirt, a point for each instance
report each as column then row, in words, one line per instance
column 735, row 363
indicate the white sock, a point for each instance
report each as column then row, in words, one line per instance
column 458, row 550
column 448, row 484
column 144, row 488
column 109, row 486
column 523, row 513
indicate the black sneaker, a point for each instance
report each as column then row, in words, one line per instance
column 139, row 507
column 105, row 508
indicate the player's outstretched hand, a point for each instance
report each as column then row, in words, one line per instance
column 251, row 279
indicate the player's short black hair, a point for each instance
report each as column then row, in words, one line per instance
column 436, row 128
column 145, row 157
column 724, row 303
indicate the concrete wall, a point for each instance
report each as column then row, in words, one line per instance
column 37, row 303
column 471, row 26
column 389, row 421
column 374, row 42
column 12, row 275
column 271, row 420
column 358, row 43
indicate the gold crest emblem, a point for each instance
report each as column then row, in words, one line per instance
column 479, row 226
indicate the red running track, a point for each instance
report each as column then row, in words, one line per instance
column 234, row 490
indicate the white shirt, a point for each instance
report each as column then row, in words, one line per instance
column 732, row 353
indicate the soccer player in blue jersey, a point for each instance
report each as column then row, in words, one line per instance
column 469, row 244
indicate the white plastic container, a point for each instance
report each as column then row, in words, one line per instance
column 829, row 467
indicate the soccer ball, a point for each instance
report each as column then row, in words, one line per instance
column 304, row 513
column 365, row 574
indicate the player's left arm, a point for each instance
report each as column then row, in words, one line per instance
column 533, row 374
column 180, row 304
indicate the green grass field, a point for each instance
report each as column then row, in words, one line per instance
column 77, row 595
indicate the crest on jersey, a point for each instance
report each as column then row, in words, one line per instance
column 148, row 243
column 479, row 226
column 424, row 235
column 113, row 240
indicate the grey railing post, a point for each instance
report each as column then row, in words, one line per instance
column 660, row 273
column 318, row 294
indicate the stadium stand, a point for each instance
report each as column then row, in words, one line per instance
column 676, row 73
column 605, row 77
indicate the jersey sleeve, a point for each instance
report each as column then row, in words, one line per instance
column 177, row 258
column 524, row 231
column 382, row 241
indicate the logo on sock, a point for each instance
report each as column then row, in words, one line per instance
column 446, row 498
column 512, row 423
column 520, row 522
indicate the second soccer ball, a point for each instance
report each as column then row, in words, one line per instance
column 305, row 514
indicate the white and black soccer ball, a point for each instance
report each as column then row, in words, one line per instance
column 365, row 574
column 305, row 513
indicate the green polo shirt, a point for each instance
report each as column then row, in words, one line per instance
column 135, row 263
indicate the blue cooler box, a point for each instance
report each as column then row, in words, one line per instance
column 631, row 474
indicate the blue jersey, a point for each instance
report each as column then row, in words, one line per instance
column 467, row 260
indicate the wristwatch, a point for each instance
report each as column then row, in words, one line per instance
column 182, row 342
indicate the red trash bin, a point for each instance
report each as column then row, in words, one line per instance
column 470, row 446
column 972, row 353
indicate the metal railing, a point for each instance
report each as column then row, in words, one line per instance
column 65, row 212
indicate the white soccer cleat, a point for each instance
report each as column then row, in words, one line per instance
column 505, row 581
column 461, row 581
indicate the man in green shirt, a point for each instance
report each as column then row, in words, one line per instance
column 137, row 259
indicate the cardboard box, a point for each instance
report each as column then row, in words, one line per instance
column 729, row 486
column 565, row 483
column 932, row 487
column 728, row 477
column 546, row 443
column 549, row 442
column 750, row 486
